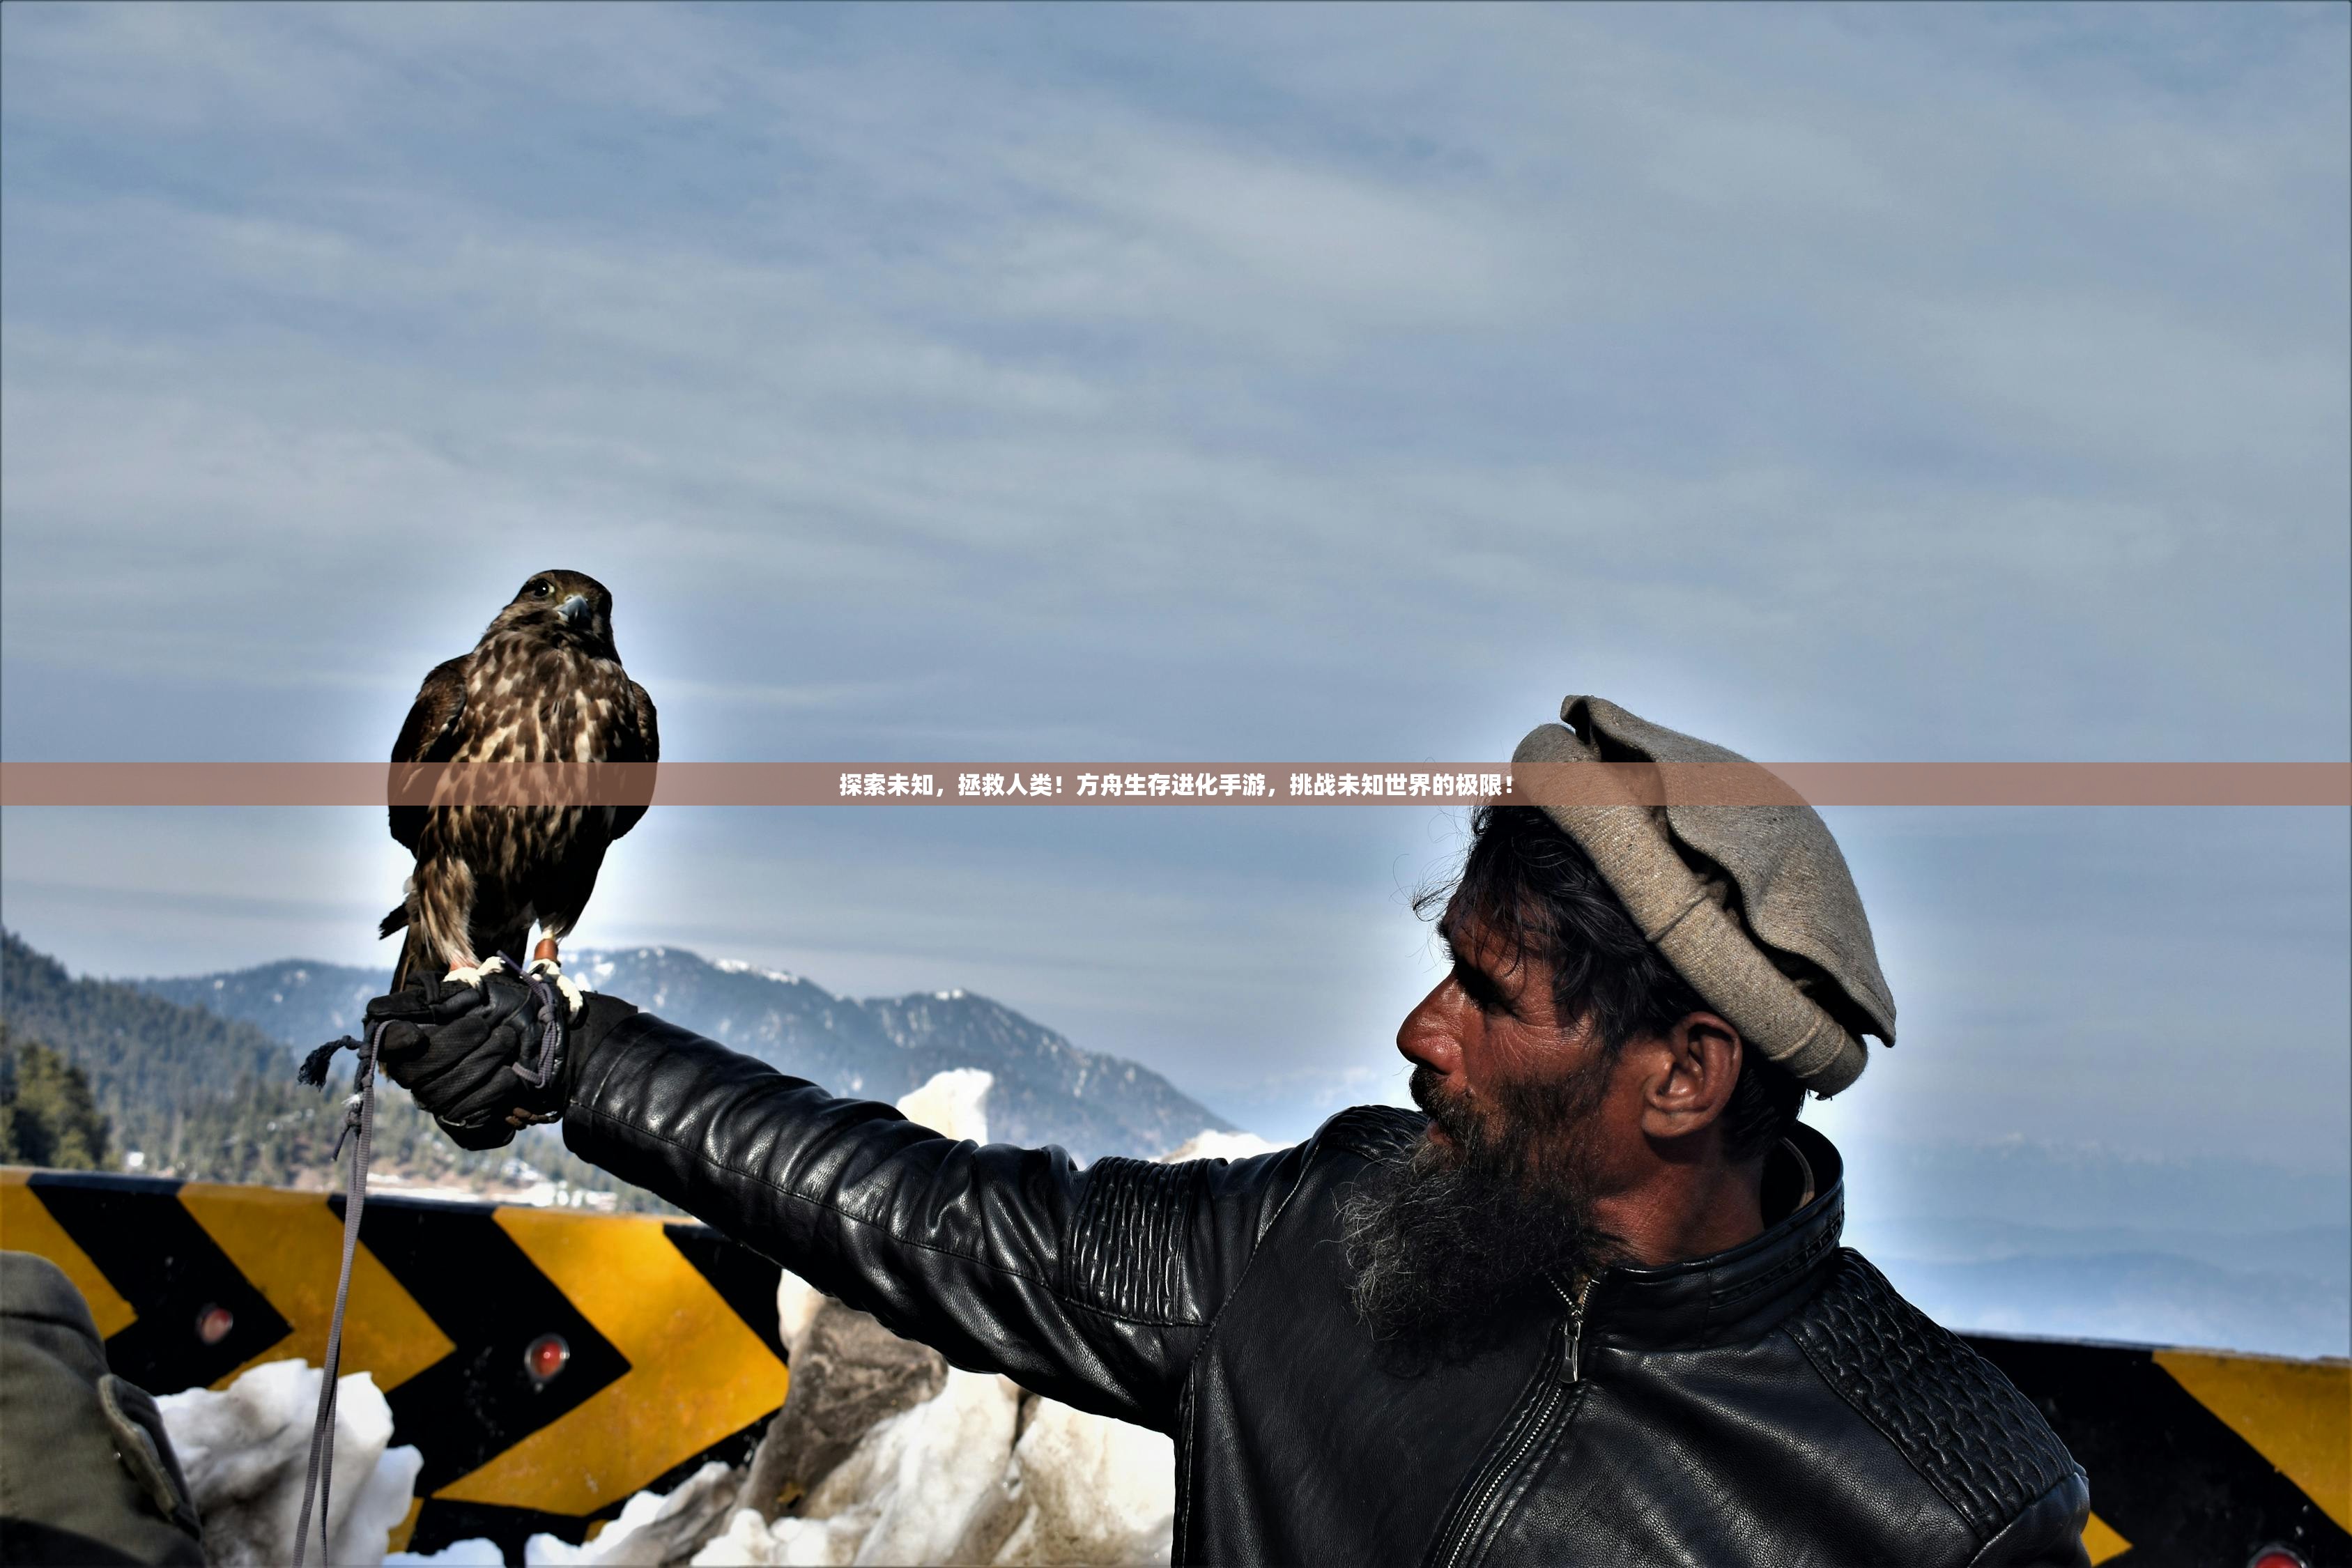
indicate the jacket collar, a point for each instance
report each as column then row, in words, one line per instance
column 1736, row 1295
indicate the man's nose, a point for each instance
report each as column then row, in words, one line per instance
column 1429, row 1035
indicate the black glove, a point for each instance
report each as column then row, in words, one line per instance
column 470, row 1053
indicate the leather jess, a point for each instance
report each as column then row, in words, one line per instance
column 1775, row 1403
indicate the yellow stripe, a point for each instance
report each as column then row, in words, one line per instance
column 289, row 1246
column 407, row 1528
column 2100, row 1540
column 28, row 1225
column 697, row 1373
column 2296, row 1413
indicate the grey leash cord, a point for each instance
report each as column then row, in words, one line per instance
column 551, row 1036
column 359, row 1116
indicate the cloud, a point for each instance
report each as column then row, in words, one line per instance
column 1904, row 382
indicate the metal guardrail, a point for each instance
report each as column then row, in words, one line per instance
column 549, row 1363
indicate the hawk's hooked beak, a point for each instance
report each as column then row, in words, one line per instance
column 572, row 608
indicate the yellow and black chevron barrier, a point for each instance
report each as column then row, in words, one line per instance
column 2198, row 1457
column 549, row 1363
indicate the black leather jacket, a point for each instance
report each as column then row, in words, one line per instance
column 1776, row 1404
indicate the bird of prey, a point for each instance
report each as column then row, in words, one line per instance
column 544, row 685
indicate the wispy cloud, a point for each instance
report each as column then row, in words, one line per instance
column 1849, row 381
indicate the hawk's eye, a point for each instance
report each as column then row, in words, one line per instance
column 542, row 589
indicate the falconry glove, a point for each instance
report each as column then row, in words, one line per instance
column 483, row 1059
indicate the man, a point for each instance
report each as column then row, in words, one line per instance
column 1589, row 1308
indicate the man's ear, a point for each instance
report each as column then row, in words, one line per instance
column 1693, row 1069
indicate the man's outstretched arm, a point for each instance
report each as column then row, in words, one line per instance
column 1092, row 1285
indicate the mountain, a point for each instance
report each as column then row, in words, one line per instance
column 1048, row 1089
column 193, row 1092
column 151, row 1064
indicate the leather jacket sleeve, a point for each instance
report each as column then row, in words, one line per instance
column 1094, row 1287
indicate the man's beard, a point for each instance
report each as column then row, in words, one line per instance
column 1443, row 1237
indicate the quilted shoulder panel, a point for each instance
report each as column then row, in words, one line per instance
column 1949, row 1411
column 1375, row 1132
column 1125, row 1248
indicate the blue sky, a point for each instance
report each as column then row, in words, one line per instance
column 1169, row 383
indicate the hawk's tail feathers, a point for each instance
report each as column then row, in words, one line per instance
column 410, row 952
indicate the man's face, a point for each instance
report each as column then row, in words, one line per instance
column 1490, row 1052
column 1498, row 1198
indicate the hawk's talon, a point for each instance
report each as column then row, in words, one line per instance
column 575, row 1001
column 475, row 976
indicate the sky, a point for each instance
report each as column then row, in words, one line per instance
column 1168, row 384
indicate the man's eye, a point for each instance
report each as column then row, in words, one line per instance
column 1482, row 996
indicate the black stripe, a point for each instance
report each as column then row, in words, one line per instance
column 487, row 1295
column 153, row 1251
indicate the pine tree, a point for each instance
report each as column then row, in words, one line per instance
column 48, row 1115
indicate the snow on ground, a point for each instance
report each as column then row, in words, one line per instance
column 244, row 1450
column 978, row 1474
column 476, row 1552
column 652, row 1530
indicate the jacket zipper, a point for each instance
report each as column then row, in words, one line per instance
column 1555, row 1390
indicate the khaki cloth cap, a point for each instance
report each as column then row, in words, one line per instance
column 1752, row 904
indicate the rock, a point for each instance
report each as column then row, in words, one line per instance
column 919, row 1487
column 849, row 1374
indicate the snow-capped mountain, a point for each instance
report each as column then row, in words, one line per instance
column 1048, row 1089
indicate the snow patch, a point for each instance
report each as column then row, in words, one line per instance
column 1093, row 1489
column 652, row 1530
column 475, row 1551
column 245, row 1449
column 953, row 1103
column 742, row 966
column 1209, row 1144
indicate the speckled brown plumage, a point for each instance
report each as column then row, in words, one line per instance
column 544, row 684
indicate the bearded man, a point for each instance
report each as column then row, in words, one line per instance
column 1589, row 1307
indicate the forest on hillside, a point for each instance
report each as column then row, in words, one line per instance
column 100, row 1075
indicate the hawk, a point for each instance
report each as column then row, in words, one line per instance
column 544, row 685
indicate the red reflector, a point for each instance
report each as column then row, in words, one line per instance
column 2278, row 1557
column 213, row 1323
column 545, row 1356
